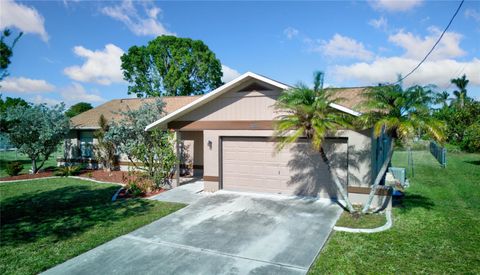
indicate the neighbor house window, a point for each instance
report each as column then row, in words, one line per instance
column 86, row 144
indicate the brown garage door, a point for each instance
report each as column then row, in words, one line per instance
column 253, row 165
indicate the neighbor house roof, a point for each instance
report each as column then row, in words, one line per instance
column 345, row 105
column 351, row 98
column 111, row 109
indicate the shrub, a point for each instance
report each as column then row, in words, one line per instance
column 67, row 171
column 134, row 189
column 471, row 138
column 451, row 148
column 140, row 183
column 14, row 168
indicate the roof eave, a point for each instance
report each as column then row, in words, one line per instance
column 212, row 95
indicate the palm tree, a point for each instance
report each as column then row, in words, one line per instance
column 461, row 93
column 305, row 112
column 399, row 114
column 442, row 98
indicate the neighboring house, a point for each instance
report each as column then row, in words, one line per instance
column 80, row 141
column 231, row 129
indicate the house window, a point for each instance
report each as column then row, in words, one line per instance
column 86, row 144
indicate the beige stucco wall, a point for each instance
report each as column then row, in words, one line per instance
column 382, row 202
column 237, row 105
column 359, row 156
column 196, row 147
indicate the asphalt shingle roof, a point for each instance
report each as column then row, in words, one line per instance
column 111, row 109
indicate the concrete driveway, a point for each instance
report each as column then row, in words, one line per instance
column 224, row 233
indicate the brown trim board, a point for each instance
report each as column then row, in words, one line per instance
column 211, row 178
column 381, row 190
column 195, row 166
column 222, row 125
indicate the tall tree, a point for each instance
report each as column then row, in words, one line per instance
column 400, row 114
column 306, row 112
column 9, row 102
column 6, row 52
column 171, row 66
column 78, row 108
column 37, row 131
column 461, row 92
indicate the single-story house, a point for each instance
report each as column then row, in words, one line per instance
column 231, row 132
column 79, row 145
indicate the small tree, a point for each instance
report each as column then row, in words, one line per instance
column 37, row 131
column 171, row 66
column 78, row 108
column 105, row 151
column 154, row 149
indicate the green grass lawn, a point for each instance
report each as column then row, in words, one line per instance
column 363, row 221
column 436, row 228
column 7, row 156
column 46, row 222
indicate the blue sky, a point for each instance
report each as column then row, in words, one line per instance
column 70, row 51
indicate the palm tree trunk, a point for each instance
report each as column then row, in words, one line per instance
column 379, row 178
column 339, row 185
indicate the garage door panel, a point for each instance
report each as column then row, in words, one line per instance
column 252, row 164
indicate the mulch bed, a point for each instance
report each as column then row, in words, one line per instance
column 28, row 176
column 124, row 195
column 100, row 175
column 114, row 176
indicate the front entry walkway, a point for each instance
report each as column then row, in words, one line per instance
column 187, row 193
column 224, row 233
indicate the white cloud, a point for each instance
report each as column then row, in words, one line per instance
column 66, row 2
column 71, row 94
column 472, row 13
column 101, row 66
column 229, row 74
column 77, row 93
column 145, row 25
column 25, row 85
column 20, row 16
column 380, row 23
column 290, row 32
column 386, row 69
column 395, row 5
column 38, row 99
column 417, row 47
column 438, row 69
column 340, row 46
